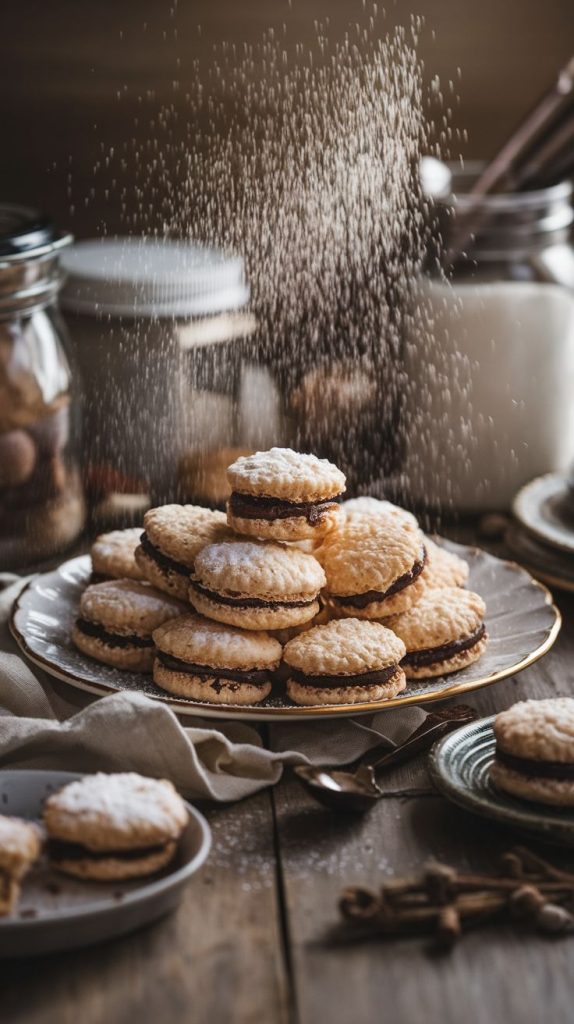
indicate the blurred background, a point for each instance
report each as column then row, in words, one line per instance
column 77, row 77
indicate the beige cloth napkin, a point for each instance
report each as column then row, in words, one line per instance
column 40, row 728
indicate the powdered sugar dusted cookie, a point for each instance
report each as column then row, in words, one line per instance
column 173, row 536
column 256, row 584
column 114, row 826
column 116, row 620
column 284, row 495
column 205, row 660
column 373, row 567
column 443, row 568
column 20, row 845
column 535, row 751
column 113, row 555
column 443, row 633
column 371, row 508
column 347, row 661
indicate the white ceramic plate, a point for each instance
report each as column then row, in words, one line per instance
column 522, row 624
column 544, row 562
column 545, row 506
column 56, row 913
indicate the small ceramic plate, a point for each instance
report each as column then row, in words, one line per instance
column 460, row 768
column 544, row 562
column 546, row 508
column 521, row 619
column 56, row 913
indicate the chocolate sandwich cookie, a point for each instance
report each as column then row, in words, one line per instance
column 116, row 620
column 108, row 827
column 367, row 507
column 443, row 568
column 348, row 661
column 20, row 845
column 373, row 567
column 284, row 495
column 113, row 555
column 173, row 535
column 209, row 661
column 256, row 584
column 535, row 751
column 443, row 633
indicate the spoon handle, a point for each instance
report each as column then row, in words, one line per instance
column 450, row 718
column 420, row 740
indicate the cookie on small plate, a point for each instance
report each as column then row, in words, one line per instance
column 173, row 535
column 366, row 507
column 256, row 584
column 205, row 660
column 534, row 757
column 348, row 661
column 284, row 495
column 20, row 845
column 443, row 568
column 116, row 621
column 373, row 567
column 113, row 555
column 108, row 827
column 443, row 633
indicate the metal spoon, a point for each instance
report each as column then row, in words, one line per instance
column 358, row 790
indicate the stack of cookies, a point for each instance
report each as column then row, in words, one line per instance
column 343, row 601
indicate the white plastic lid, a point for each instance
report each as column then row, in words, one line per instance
column 151, row 278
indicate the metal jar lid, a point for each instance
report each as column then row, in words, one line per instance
column 29, row 247
column 151, row 278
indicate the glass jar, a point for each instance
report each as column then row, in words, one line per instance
column 490, row 367
column 42, row 506
column 174, row 386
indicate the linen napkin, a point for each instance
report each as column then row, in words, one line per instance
column 40, row 727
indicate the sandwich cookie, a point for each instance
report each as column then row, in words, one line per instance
column 113, row 827
column 173, row 534
column 443, row 633
column 373, row 567
column 113, row 555
column 348, row 661
column 535, row 751
column 371, row 508
column 256, row 584
column 284, row 495
column 116, row 621
column 443, row 568
column 20, row 845
column 209, row 661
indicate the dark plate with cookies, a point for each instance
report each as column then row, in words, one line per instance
column 521, row 624
column 58, row 894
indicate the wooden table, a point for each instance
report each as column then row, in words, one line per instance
column 248, row 943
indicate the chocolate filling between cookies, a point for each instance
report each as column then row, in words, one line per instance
column 537, row 769
column 371, row 596
column 112, row 639
column 431, row 655
column 377, row 677
column 257, row 677
column 60, row 849
column 251, row 506
column 164, row 561
column 248, row 602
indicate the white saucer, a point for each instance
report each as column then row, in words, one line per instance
column 545, row 506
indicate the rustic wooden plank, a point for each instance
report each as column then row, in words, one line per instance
column 492, row 975
column 219, row 958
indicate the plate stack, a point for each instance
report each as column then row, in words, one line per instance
column 542, row 536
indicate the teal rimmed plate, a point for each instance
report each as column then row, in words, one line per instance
column 460, row 769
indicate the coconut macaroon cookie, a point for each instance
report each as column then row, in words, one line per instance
column 116, row 621
column 20, row 846
column 443, row 568
column 373, row 567
column 205, row 660
column 256, row 584
column 173, row 534
column 113, row 555
column 534, row 757
column 443, row 633
column 284, row 495
column 348, row 661
column 106, row 827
